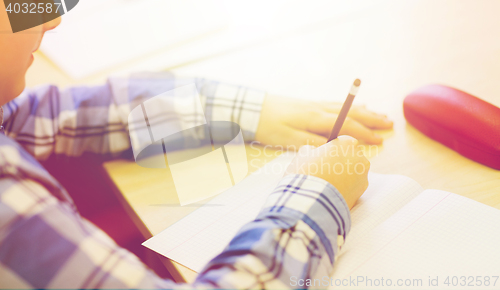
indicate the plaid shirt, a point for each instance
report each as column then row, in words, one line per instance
column 45, row 243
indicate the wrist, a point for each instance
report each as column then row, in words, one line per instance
column 311, row 200
column 318, row 188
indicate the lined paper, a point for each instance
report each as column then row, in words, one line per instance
column 386, row 194
column 438, row 234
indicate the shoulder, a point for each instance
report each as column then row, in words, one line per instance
column 17, row 165
column 12, row 157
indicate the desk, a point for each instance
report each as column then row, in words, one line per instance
column 394, row 49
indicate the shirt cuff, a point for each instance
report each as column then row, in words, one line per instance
column 315, row 202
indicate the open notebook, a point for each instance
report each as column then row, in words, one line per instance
column 399, row 231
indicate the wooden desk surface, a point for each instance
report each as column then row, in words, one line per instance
column 393, row 48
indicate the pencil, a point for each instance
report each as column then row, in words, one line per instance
column 345, row 109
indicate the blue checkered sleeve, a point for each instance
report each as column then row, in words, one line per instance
column 295, row 237
column 44, row 243
column 70, row 122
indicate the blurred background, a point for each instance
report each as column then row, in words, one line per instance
column 302, row 49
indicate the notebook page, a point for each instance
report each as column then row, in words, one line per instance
column 436, row 235
column 386, row 194
column 196, row 239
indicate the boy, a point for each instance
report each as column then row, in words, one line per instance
column 44, row 243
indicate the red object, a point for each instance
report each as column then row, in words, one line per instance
column 458, row 120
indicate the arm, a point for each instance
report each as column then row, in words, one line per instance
column 71, row 122
column 49, row 121
column 44, row 243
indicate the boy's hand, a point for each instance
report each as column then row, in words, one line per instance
column 340, row 162
column 286, row 121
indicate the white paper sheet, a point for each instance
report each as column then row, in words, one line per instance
column 437, row 235
column 204, row 233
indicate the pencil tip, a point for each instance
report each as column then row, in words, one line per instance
column 357, row 82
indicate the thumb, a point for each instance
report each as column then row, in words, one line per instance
column 304, row 150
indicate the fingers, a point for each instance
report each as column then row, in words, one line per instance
column 370, row 119
column 356, row 152
column 322, row 123
column 344, row 139
column 357, row 130
column 344, row 145
column 331, row 107
column 361, row 114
